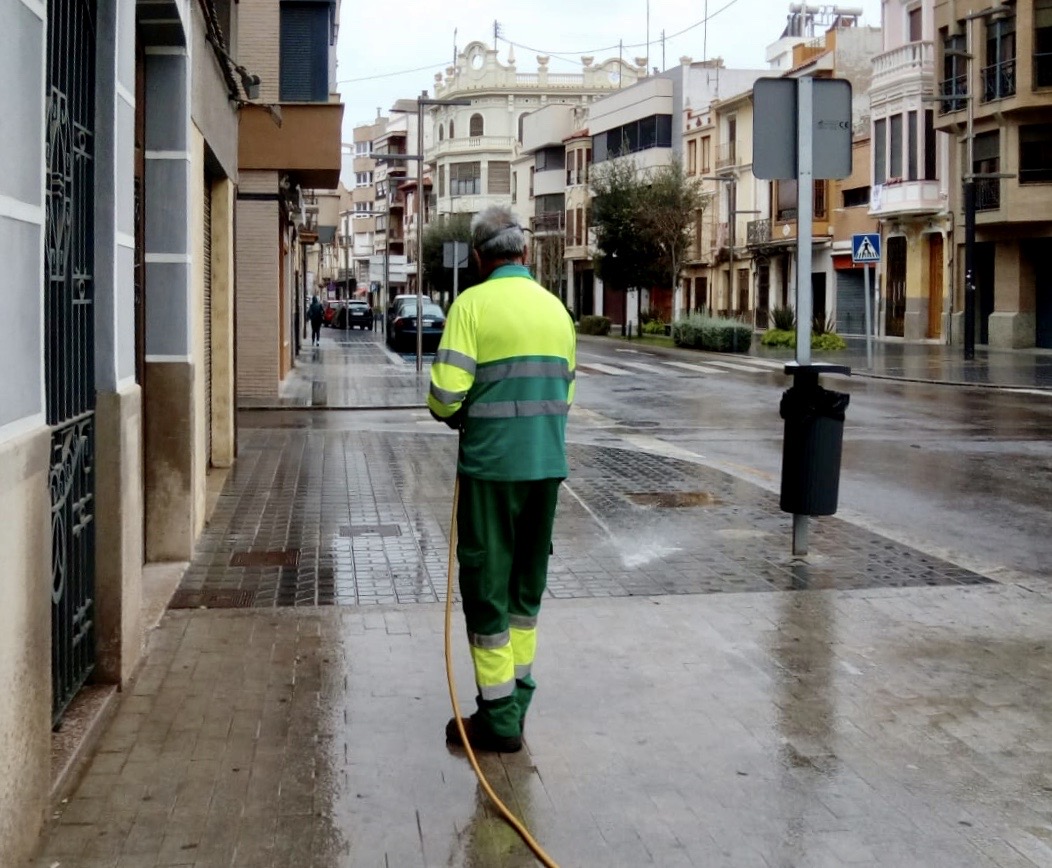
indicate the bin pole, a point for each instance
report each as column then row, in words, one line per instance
column 800, row 529
column 805, row 187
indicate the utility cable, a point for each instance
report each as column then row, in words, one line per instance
column 616, row 45
column 379, row 75
column 502, row 809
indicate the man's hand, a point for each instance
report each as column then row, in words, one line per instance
column 456, row 421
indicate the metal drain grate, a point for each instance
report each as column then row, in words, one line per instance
column 219, row 599
column 282, row 558
column 674, row 499
column 353, row 530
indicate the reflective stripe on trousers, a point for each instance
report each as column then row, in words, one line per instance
column 494, row 664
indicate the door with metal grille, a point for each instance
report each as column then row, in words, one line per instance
column 895, row 282
column 207, row 257
column 69, row 334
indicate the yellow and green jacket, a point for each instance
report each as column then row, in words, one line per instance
column 504, row 372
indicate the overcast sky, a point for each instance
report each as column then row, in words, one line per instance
column 379, row 43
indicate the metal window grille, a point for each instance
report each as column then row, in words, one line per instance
column 69, row 296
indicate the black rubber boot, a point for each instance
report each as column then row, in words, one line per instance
column 481, row 738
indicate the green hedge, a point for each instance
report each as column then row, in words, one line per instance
column 654, row 327
column 783, row 338
column 594, row 325
column 715, row 334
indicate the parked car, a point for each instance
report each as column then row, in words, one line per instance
column 359, row 315
column 401, row 336
column 330, row 314
column 395, row 306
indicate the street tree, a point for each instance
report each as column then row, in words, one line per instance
column 642, row 223
column 674, row 202
column 455, row 227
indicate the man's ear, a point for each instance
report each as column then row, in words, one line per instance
column 476, row 259
column 526, row 254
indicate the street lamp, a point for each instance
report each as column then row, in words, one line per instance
column 969, row 176
column 421, row 101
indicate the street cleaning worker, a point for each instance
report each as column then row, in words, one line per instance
column 504, row 376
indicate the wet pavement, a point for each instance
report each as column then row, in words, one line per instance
column 704, row 699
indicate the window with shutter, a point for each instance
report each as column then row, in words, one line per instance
column 304, row 52
column 475, row 125
column 499, row 177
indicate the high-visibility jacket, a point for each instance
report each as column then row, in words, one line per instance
column 505, row 369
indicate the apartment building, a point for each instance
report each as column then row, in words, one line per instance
column 117, row 204
column 471, row 148
column 997, row 62
column 910, row 175
column 361, row 181
column 397, row 138
column 290, row 144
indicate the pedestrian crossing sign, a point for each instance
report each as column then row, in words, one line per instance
column 865, row 247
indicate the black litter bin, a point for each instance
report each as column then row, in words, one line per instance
column 814, row 439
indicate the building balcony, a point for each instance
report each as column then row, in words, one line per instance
column 999, row 81
column 915, row 60
column 784, row 228
column 473, row 144
column 758, row 232
column 553, row 221
column 907, row 197
column 727, row 156
column 956, row 87
column 987, row 194
column 549, row 183
column 307, row 144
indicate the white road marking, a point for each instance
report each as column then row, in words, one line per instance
column 697, row 369
column 643, row 366
column 604, row 369
column 733, row 366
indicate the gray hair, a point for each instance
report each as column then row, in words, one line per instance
column 496, row 233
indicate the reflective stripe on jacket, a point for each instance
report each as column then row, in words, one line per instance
column 507, row 359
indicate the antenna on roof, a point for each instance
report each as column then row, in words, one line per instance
column 454, row 46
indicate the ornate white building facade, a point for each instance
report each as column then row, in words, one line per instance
column 473, row 147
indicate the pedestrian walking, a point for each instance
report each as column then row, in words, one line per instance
column 504, row 376
column 316, row 315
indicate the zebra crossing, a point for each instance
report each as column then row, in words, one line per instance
column 589, row 366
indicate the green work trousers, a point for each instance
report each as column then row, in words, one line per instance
column 504, row 540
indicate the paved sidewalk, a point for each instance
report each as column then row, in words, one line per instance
column 351, row 369
column 705, row 699
column 925, row 362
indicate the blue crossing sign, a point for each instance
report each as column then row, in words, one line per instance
column 865, row 248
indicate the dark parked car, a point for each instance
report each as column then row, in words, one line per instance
column 359, row 315
column 395, row 307
column 401, row 336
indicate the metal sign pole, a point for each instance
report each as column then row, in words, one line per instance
column 456, row 268
column 804, row 220
column 869, row 319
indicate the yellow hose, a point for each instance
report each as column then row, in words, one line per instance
column 502, row 809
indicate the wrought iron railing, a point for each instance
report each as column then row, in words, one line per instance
column 954, row 87
column 758, row 232
column 987, row 194
column 999, row 80
column 727, row 155
column 552, row 221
